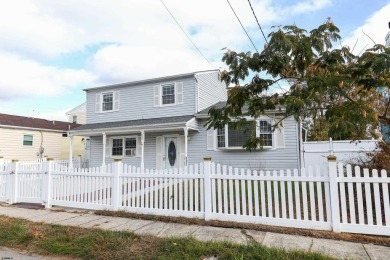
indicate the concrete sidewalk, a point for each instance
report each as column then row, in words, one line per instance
column 338, row 249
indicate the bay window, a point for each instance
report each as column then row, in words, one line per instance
column 227, row 137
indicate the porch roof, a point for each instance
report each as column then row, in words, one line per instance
column 144, row 124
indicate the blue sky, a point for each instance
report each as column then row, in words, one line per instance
column 51, row 50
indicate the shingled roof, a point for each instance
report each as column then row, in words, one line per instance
column 29, row 122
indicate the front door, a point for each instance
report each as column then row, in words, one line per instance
column 171, row 153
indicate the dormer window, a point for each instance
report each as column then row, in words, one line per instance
column 107, row 101
column 168, row 94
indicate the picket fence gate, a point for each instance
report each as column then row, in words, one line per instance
column 341, row 199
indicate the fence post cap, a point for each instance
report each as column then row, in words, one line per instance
column 207, row 158
column 331, row 158
column 15, row 160
column 117, row 159
column 50, row 159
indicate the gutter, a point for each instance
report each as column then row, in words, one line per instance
column 116, row 129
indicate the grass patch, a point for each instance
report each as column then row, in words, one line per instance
column 361, row 238
column 55, row 240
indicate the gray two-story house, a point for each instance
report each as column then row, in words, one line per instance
column 160, row 124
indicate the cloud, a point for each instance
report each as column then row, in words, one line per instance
column 309, row 6
column 146, row 42
column 124, row 63
column 26, row 78
column 376, row 27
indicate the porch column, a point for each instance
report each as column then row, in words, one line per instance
column 185, row 146
column 104, row 148
column 70, row 151
column 142, row 150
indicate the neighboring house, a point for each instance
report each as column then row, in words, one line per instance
column 78, row 114
column 81, row 144
column 160, row 123
column 28, row 138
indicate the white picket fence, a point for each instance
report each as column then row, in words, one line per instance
column 341, row 199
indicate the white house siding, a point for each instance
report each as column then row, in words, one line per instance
column 136, row 102
column 11, row 144
column 210, row 89
column 275, row 159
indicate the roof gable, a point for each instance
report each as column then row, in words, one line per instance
column 79, row 108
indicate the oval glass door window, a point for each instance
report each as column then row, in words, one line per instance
column 172, row 153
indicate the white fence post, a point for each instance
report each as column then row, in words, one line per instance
column 47, row 182
column 117, row 170
column 13, row 181
column 207, row 187
column 334, row 193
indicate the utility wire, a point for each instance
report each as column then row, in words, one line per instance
column 242, row 26
column 181, row 28
column 253, row 11
column 265, row 38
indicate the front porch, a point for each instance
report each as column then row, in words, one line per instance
column 148, row 143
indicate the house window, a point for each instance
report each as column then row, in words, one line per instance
column 237, row 138
column 265, row 132
column 168, row 94
column 221, row 137
column 108, row 101
column 117, row 147
column 125, row 146
column 130, row 146
column 27, row 140
column 74, row 119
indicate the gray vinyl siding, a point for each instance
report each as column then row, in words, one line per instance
column 276, row 159
column 136, row 102
column 210, row 89
column 149, row 151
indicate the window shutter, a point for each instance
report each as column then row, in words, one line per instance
column 159, row 148
column 279, row 134
column 182, row 151
column 210, row 139
column 116, row 100
column 108, row 147
column 156, row 99
column 98, row 103
column 179, row 92
column 139, row 147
